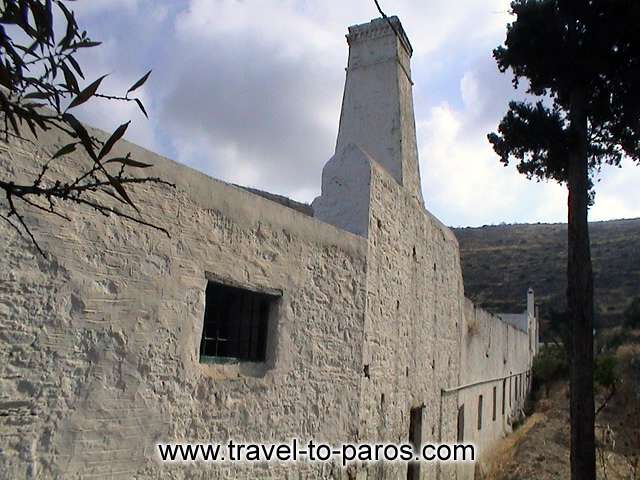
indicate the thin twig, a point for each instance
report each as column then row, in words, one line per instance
column 606, row 400
column 12, row 212
column 8, row 220
column 384, row 15
column 35, row 99
column 47, row 210
column 103, row 209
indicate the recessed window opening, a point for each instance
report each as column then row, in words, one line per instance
column 504, row 394
column 415, row 438
column 480, row 412
column 495, row 395
column 235, row 323
column 521, row 386
column 460, row 435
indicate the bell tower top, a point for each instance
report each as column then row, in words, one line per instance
column 380, row 27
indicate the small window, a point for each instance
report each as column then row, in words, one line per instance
column 504, row 395
column 235, row 324
column 510, row 391
column 521, row 386
column 415, row 427
column 415, row 438
column 494, row 402
column 461, row 424
column 480, row 412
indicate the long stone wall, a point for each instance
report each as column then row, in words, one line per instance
column 426, row 345
column 495, row 365
column 99, row 342
column 414, row 288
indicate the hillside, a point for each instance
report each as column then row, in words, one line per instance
column 500, row 262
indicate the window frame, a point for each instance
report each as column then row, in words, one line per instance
column 460, row 424
column 504, row 396
column 261, row 320
column 495, row 401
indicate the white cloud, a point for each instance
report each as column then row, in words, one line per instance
column 275, row 24
column 617, row 193
column 471, row 94
column 108, row 114
column 94, row 7
column 464, row 182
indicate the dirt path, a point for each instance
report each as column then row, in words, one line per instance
column 539, row 448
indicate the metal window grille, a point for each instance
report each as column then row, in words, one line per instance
column 495, row 400
column 461, row 424
column 235, row 323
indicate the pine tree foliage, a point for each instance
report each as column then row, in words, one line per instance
column 557, row 47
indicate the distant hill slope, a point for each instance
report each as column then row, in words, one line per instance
column 500, row 262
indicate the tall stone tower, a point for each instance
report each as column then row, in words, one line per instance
column 376, row 124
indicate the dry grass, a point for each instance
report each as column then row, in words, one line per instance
column 473, row 327
column 504, row 454
column 539, row 449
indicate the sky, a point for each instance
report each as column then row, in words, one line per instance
column 249, row 91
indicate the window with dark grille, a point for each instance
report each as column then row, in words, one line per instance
column 504, row 394
column 235, row 323
column 461, row 424
column 521, row 386
column 494, row 403
column 415, row 438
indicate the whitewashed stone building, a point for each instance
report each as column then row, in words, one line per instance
column 255, row 321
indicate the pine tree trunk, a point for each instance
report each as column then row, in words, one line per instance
column 580, row 299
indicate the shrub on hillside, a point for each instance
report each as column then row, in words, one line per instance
column 632, row 314
column 550, row 364
column 606, row 370
column 606, row 374
column 608, row 340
